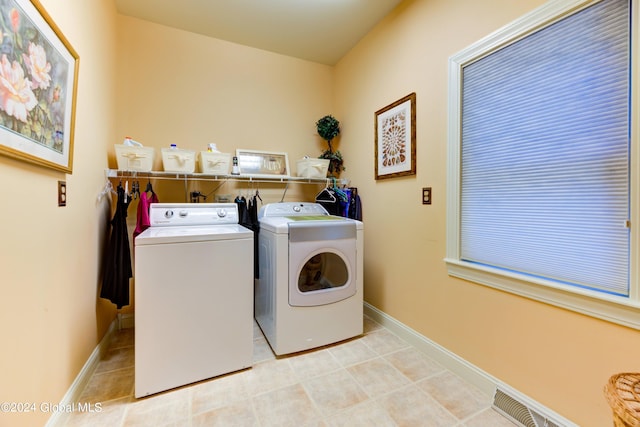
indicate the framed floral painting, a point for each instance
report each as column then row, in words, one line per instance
column 395, row 139
column 38, row 83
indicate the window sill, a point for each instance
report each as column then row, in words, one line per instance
column 610, row 308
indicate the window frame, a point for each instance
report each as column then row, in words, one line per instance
column 616, row 309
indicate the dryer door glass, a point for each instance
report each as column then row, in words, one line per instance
column 323, row 271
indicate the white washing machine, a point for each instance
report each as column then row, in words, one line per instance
column 193, row 296
column 309, row 292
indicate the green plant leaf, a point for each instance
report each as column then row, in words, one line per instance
column 328, row 127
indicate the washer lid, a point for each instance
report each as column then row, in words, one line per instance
column 196, row 233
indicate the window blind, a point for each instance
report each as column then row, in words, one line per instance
column 545, row 152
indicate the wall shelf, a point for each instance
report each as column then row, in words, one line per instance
column 115, row 173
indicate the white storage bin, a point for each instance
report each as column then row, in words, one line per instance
column 138, row 159
column 215, row 163
column 178, row 160
column 312, row 168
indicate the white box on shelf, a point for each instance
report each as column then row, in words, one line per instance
column 312, row 168
column 178, row 160
column 215, row 163
column 138, row 159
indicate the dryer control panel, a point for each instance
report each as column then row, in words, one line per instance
column 189, row 214
column 292, row 209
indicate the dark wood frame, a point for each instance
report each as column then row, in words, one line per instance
column 405, row 106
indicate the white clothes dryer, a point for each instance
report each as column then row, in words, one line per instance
column 309, row 292
column 193, row 296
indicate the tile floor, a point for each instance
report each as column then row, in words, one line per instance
column 373, row 380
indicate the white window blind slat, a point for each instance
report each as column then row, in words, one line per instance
column 545, row 152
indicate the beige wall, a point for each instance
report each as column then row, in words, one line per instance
column 50, row 256
column 559, row 358
column 183, row 88
column 180, row 87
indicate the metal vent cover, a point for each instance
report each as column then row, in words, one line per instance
column 518, row 412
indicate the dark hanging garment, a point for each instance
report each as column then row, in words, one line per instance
column 248, row 213
column 243, row 218
column 355, row 205
column 252, row 223
column 356, row 212
column 117, row 267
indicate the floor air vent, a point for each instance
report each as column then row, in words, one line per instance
column 518, row 412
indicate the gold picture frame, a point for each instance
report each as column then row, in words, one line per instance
column 39, row 70
column 395, row 139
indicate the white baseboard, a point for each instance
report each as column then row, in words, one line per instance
column 486, row 383
column 82, row 379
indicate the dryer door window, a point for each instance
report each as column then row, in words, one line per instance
column 323, row 271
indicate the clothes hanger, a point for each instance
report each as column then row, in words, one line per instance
column 326, row 195
column 135, row 189
column 108, row 189
column 149, row 187
column 341, row 194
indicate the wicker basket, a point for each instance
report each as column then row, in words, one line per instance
column 623, row 394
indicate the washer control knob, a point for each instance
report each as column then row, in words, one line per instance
column 222, row 213
column 183, row 214
column 168, row 214
column 297, row 208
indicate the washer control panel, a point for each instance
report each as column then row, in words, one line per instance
column 174, row 214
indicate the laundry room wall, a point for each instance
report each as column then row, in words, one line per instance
column 51, row 316
column 178, row 87
column 559, row 358
column 187, row 89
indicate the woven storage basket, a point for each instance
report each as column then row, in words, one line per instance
column 623, row 394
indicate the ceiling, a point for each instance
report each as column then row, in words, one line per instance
column 321, row 31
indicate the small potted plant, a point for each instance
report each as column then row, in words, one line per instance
column 328, row 128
